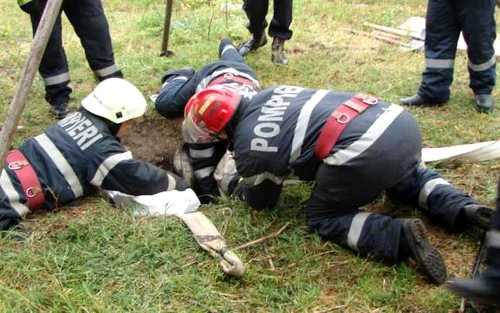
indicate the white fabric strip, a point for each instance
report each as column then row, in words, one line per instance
column 171, row 183
column 12, row 194
column 493, row 239
column 302, row 122
column 355, row 230
column 228, row 47
column 61, row 163
column 428, row 189
column 483, row 66
column 183, row 78
column 107, row 165
column 204, row 83
column 367, row 139
column 103, row 72
column 474, row 152
column 259, row 178
column 58, row 79
column 439, row 63
column 204, row 153
column 204, row 172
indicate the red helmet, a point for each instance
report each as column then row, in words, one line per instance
column 207, row 113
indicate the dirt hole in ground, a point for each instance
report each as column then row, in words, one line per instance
column 155, row 140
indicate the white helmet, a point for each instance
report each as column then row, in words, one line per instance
column 116, row 100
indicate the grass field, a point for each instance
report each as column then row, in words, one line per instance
column 96, row 258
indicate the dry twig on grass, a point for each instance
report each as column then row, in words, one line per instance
column 252, row 243
column 331, row 309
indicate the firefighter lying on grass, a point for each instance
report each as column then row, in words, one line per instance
column 79, row 153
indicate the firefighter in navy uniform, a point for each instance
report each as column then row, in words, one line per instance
column 180, row 85
column 91, row 26
column 353, row 146
column 486, row 289
column 79, row 153
column 444, row 21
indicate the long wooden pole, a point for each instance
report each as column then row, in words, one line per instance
column 24, row 84
column 166, row 29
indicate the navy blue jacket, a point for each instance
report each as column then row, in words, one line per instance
column 179, row 85
column 74, row 157
column 275, row 134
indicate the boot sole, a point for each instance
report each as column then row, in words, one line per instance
column 426, row 255
column 483, row 110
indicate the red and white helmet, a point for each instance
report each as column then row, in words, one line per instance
column 207, row 113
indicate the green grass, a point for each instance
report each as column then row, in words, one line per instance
column 96, row 258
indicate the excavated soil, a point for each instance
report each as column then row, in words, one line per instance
column 155, row 140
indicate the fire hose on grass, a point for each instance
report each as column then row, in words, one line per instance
column 183, row 205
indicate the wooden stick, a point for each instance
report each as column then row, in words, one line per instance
column 24, row 85
column 383, row 38
column 251, row 243
column 395, row 31
column 166, row 29
column 463, row 304
column 389, row 35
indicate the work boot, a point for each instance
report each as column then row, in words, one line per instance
column 252, row 44
column 60, row 110
column 277, row 52
column 478, row 215
column 484, row 103
column 418, row 101
column 422, row 251
column 481, row 291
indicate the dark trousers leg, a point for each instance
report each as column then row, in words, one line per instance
column 493, row 242
column 434, row 195
column 227, row 52
column 256, row 11
column 54, row 65
column 442, row 32
column 282, row 18
column 91, row 26
column 333, row 212
column 478, row 25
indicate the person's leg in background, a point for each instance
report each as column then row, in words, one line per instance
column 442, row 32
column 256, row 11
column 54, row 65
column 477, row 18
column 279, row 30
column 91, row 26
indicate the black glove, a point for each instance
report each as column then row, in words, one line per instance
column 186, row 71
column 239, row 191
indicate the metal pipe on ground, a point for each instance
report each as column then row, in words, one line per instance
column 25, row 83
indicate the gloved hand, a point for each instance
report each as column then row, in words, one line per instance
column 186, row 71
column 239, row 190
